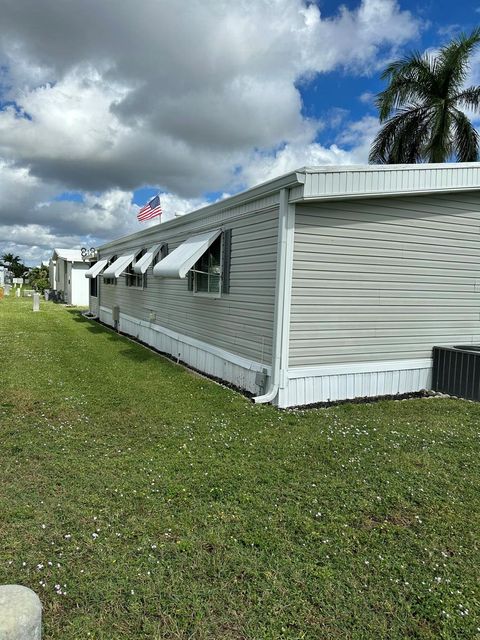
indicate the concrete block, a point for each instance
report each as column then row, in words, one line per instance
column 36, row 301
column 20, row 613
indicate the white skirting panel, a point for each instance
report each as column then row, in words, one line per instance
column 308, row 385
column 207, row 358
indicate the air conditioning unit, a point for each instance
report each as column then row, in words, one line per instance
column 456, row 371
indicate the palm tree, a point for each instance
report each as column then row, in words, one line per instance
column 10, row 258
column 422, row 109
column 14, row 263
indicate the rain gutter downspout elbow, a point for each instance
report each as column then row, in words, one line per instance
column 280, row 300
column 269, row 396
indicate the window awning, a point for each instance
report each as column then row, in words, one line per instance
column 97, row 268
column 178, row 263
column 146, row 260
column 119, row 266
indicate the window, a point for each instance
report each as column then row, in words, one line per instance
column 133, row 279
column 207, row 271
column 210, row 275
column 110, row 280
column 93, row 285
column 160, row 254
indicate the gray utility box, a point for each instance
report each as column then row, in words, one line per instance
column 456, row 371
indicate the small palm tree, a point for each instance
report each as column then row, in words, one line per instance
column 422, row 109
column 14, row 264
column 10, row 258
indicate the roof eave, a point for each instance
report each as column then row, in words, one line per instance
column 287, row 180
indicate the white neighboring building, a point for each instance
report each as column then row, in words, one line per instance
column 67, row 276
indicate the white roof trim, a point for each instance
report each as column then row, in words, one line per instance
column 336, row 183
column 69, row 255
column 329, row 183
column 97, row 268
column 178, row 263
column 119, row 266
column 146, row 260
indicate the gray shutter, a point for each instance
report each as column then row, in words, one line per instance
column 226, row 260
column 190, row 280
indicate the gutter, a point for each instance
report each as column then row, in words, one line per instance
column 283, row 290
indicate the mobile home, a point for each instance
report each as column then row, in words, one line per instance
column 327, row 283
column 67, row 276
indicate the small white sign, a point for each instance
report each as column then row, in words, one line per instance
column 17, row 280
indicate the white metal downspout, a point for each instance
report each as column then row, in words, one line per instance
column 98, row 294
column 284, row 224
column 287, row 307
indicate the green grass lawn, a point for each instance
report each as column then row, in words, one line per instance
column 140, row 500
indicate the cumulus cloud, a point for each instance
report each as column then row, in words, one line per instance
column 34, row 229
column 109, row 97
column 351, row 147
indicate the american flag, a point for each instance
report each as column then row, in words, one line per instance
column 150, row 210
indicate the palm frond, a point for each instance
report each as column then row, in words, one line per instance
column 440, row 144
column 414, row 62
column 453, row 61
column 419, row 107
column 466, row 138
column 402, row 138
column 468, row 99
column 411, row 80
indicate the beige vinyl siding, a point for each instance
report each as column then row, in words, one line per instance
column 384, row 278
column 240, row 322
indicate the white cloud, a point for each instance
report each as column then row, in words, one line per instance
column 356, row 138
column 355, row 38
column 182, row 109
column 33, row 221
column 367, row 98
column 168, row 94
column 263, row 166
column 358, row 135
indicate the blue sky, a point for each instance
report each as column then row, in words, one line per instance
column 342, row 90
column 92, row 124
